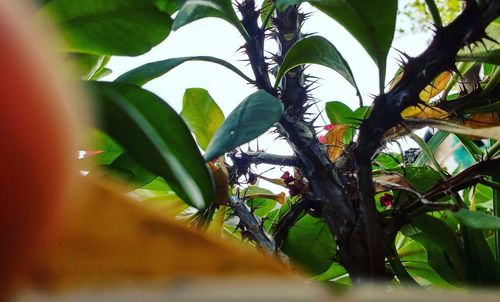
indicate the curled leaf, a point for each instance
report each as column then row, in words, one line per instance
column 390, row 180
column 334, row 141
column 221, row 181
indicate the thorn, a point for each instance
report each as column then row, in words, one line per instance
column 485, row 36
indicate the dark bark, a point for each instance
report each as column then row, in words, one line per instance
column 348, row 206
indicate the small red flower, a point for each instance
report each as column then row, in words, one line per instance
column 386, row 200
column 285, row 175
column 287, row 178
column 329, row 127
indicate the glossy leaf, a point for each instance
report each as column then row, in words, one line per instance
column 194, row 10
column 254, row 116
column 202, row 115
column 169, row 6
column 339, row 113
column 88, row 65
column 150, row 71
column 112, row 27
column 127, row 170
column 152, row 132
column 108, row 149
column 310, row 244
column 477, row 220
column 316, row 50
column 371, row 22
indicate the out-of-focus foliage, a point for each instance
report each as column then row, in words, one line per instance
column 419, row 18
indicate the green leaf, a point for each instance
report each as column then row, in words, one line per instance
column 490, row 56
column 310, row 244
column 339, row 113
column 477, row 220
column 111, row 27
column 152, row 132
column 88, row 65
column 100, row 141
column 494, row 107
column 433, row 9
column 202, row 115
column 266, row 11
column 261, row 206
column 150, row 71
column 371, row 22
column 480, row 265
column 441, row 235
column 437, row 259
column 316, row 50
column 422, row 178
column 334, row 271
column 169, row 6
column 128, row 170
column 194, row 10
column 254, row 116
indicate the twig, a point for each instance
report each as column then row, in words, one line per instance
column 261, row 157
column 251, row 224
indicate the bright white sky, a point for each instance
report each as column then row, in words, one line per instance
column 215, row 37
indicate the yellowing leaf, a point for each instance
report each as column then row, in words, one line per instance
column 481, row 120
column 107, row 238
column 334, row 141
column 390, row 180
column 221, row 180
column 436, row 87
column 276, row 181
column 422, row 111
column 280, row 197
column 168, row 204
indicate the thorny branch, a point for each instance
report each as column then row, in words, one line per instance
column 468, row 28
column 260, row 157
column 250, row 225
column 348, row 205
column 462, row 180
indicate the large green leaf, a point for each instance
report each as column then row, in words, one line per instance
column 150, row 71
column 88, row 65
column 100, row 141
column 254, row 116
column 194, row 10
column 128, row 170
column 477, row 220
column 310, row 244
column 441, row 234
column 371, row 22
column 108, row 27
column 152, row 132
column 480, row 265
column 202, row 115
column 316, row 50
column 169, row 6
column 339, row 113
